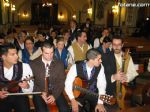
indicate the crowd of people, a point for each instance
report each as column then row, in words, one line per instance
column 97, row 61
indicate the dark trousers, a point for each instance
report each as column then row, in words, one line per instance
column 88, row 103
column 41, row 106
column 111, row 108
column 18, row 103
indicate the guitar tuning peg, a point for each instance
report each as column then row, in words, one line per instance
column 26, row 78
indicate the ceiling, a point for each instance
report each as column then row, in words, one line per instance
column 72, row 3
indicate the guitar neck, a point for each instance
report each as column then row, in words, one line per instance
column 82, row 90
column 78, row 88
column 46, row 84
column 123, row 65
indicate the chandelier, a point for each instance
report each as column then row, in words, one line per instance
column 6, row 3
column 46, row 3
column 115, row 7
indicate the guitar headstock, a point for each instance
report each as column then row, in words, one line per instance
column 126, row 54
column 108, row 99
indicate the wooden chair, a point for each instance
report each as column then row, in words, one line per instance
column 53, row 107
column 146, row 94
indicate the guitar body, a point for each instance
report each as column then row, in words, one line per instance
column 12, row 86
column 121, row 95
column 80, row 88
column 79, row 82
column 53, row 107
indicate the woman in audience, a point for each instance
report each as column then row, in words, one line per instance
column 62, row 53
column 105, row 47
column 29, row 51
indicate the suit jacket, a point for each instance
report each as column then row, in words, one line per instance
column 56, row 79
column 109, row 63
column 17, row 45
column 73, row 34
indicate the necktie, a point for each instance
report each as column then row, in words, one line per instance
column 47, row 70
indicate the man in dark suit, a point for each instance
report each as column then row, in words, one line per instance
column 73, row 30
column 87, row 26
column 56, row 79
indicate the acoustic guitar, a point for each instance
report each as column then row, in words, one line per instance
column 12, row 86
column 80, row 88
column 52, row 107
column 120, row 88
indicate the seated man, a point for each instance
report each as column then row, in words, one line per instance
column 79, row 48
column 119, row 68
column 12, row 70
column 47, row 65
column 91, row 71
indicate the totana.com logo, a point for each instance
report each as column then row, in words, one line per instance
column 134, row 4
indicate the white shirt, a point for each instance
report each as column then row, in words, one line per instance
column 21, row 45
column 46, row 62
column 131, row 71
column 70, row 49
column 101, row 81
column 27, row 72
column 72, row 30
column 96, row 43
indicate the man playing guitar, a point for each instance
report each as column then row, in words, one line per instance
column 12, row 75
column 92, row 71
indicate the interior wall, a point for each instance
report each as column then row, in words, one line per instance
column 71, row 7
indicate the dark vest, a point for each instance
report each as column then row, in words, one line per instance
column 92, row 82
column 17, row 73
column 109, row 64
